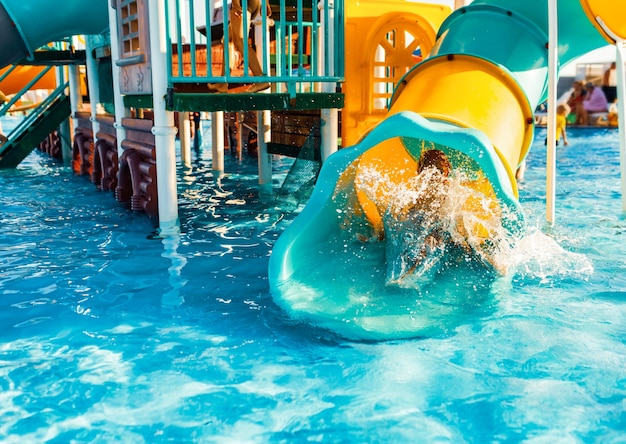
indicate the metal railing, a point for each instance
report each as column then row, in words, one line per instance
column 16, row 97
column 30, row 119
column 300, row 46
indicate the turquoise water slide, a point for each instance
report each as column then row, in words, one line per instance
column 26, row 25
column 473, row 98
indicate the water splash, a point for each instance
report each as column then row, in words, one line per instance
column 539, row 256
column 431, row 217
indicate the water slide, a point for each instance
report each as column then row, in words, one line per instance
column 473, row 99
column 27, row 25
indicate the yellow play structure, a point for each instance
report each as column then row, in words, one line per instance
column 383, row 40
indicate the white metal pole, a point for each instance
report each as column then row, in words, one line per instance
column 264, row 135
column 65, row 132
column 217, row 143
column 118, row 101
column 553, row 46
column 329, row 117
column 184, row 137
column 76, row 98
column 263, row 118
column 621, row 101
column 93, row 80
column 163, row 129
column 621, row 113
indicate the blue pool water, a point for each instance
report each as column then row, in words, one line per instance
column 107, row 335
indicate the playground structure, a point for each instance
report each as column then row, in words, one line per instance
column 473, row 99
column 472, row 96
column 306, row 71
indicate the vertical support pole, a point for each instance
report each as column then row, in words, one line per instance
column 263, row 118
column 92, row 85
column 65, row 132
column 553, row 47
column 164, row 129
column 184, row 137
column 621, row 113
column 240, row 118
column 264, row 135
column 76, row 98
column 118, row 101
column 217, row 145
column 329, row 117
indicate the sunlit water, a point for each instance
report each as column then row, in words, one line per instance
column 110, row 336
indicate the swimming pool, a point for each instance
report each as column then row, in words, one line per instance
column 110, row 336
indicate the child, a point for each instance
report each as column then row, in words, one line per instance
column 562, row 111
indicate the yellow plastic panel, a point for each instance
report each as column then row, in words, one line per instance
column 471, row 93
column 381, row 37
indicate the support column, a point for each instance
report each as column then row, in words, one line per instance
column 164, row 129
column 329, row 132
column 217, row 143
column 552, row 79
column 118, row 101
column 263, row 118
column 329, row 117
column 65, row 132
column 76, row 98
column 184, row 137
column 92, row 85
column 264, row 135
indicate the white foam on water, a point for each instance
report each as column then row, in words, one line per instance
column 538, row 255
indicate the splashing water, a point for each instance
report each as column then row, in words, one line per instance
column 428, row 224
column 539, row 256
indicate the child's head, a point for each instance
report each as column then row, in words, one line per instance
column 563, row 109
column 434, row 159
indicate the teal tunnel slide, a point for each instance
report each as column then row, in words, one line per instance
column 473, row 98
column 26, row 25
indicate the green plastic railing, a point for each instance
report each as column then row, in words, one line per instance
column 189, row 28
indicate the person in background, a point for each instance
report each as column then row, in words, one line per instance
column 562, row 111
column 594, row 102
column 609, row 83
column 577, row 96
column 238, row 35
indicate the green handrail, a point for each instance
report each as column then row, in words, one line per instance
column 189, row 29
column 39, row 110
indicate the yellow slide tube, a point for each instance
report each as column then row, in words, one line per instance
column 492, row 102
column 608, row 18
